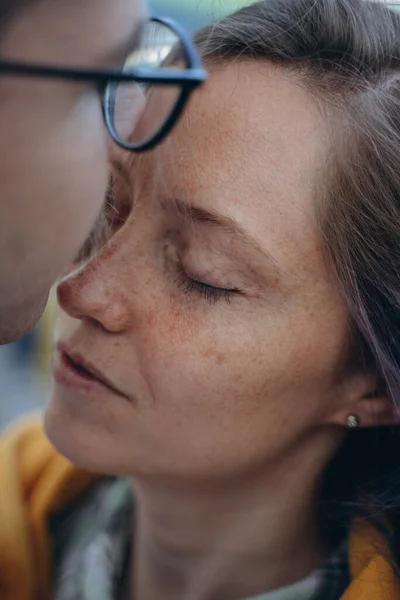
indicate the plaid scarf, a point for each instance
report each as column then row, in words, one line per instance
column 91, row 543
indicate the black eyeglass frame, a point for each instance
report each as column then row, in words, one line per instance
column 188, row 79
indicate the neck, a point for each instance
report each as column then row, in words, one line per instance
column 231, row 540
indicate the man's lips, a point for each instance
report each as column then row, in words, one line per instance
column 73, row 367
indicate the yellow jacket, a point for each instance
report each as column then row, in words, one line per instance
column 35, row 481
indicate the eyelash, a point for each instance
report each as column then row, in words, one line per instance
column 209, row 292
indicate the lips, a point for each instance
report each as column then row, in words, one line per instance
column 74, row 371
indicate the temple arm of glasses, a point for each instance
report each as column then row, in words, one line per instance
column 165, row 76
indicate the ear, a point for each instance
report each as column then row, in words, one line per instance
column 366, row 397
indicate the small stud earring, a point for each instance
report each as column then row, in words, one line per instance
column 353, row 422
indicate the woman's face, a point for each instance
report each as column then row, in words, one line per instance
column 211, row 310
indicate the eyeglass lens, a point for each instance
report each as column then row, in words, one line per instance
column 139, row 110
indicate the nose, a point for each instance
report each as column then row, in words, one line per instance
column 92, row 293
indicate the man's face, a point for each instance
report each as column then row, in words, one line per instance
column 54, row 129
column 73, row 33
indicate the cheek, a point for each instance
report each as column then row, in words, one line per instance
column 168, row 330
column 219, row 388
column 216, row 399
column 184, row 356
column 212, row 375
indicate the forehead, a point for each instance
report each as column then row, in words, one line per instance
column 258, row 108
column 250, row 145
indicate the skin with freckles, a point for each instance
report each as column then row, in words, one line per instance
column 213, row 313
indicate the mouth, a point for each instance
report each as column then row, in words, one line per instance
column 73, row 371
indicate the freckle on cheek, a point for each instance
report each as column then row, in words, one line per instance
column 149, row 326
column 174, row 325
column 211, row 353
column 150, row 319
column 179, row 324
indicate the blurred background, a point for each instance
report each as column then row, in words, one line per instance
column 24, row 366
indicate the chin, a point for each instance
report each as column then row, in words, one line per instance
column 85, row 432
column 86, row 445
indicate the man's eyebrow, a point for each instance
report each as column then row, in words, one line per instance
column 198, row 214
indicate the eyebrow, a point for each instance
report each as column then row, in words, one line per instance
column 197, row 214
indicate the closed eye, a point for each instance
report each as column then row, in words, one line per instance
column 209, row 292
